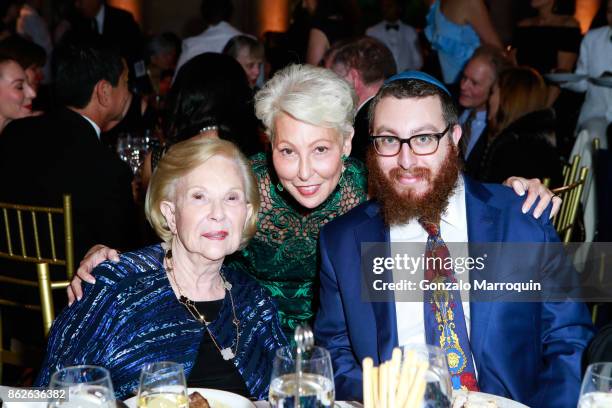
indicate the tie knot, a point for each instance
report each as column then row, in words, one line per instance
column 391, row 26
column 432, row 229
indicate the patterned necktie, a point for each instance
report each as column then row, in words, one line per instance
column 444, row 320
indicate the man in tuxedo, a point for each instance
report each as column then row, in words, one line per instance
column 365, row 63
column 528, row 351
column 479, row 76
column 401, row 39
column 60, row 152
column 113, row 27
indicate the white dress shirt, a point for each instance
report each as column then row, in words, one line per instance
column 94, row 124
column 213, row 39
column 403, row 43
column 100, row 19
column 478, row 125
column 453, row 228
column 595, row 58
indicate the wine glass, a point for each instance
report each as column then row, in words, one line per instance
column 163, row 384
column 137, row 153
column 438, row 391
column 596, row 389
column 123, row 147
column 87, row 386
column 314, row 385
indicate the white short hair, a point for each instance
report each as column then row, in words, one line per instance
column 313, row 95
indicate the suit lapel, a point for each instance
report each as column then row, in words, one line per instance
column 374, row 230
column 482, row 228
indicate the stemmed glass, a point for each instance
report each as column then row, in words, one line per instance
column 88, row 386
column 316, row 382
column 163, row 384
column 596, row 389
column 132, row 150
column 438, row 391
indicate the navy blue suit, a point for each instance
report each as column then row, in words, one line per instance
column 529, row 352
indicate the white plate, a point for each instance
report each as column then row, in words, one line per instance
column 561, row 77
column 476, row 397
column 216, row 399
column 603, row 81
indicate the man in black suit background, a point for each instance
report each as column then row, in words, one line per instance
column 365, row 63
column 113, row 27
column 60, row 152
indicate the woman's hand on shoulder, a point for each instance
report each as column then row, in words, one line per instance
column 95, row 256
column 535, row 189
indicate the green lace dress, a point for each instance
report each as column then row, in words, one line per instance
column 283, row 254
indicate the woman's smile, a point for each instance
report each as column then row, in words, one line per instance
column 308, row 190
column 216, row 235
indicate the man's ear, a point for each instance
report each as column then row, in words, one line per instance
column 102, row 91
column 355, row 79
column 456, row 134
column 168, row 210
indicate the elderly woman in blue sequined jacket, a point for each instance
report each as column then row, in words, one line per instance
column 177, row 301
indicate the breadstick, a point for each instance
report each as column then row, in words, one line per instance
column 417, row 389
column 383, row 379
column 406, row 378
column 394, row 368
column 375, row 380
column 368, row 385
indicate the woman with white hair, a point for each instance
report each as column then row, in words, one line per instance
column 305, row 181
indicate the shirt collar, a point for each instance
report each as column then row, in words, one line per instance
column 100, row 18
column 481, row 116
column 364, row 102
column 94, row 124
column 456, row 205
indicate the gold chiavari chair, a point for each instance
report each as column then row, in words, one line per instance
column 571, row 194
column 36, row 237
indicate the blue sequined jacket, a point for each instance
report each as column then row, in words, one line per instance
column 131, row 316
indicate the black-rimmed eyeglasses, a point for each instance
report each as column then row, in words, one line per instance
column 421, row 145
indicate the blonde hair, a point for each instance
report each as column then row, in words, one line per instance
column 181, row 159
column 521, row 91
column 313, row 95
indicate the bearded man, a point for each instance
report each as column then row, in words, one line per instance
column 528, row 351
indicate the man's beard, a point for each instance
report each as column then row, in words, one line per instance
column 399, row 208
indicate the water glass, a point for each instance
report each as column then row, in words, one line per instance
column 88, row 387
column 596, row 389
column 132, row 150
column 314, row 386
column 163, row 384
column 438, row 391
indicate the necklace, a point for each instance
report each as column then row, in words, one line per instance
column 227, row 353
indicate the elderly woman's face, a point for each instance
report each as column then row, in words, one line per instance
column 209, row 210
column 307, row 159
